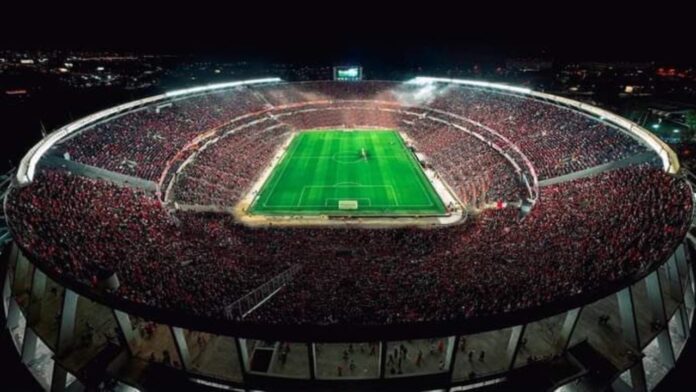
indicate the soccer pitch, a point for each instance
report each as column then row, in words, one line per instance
column 347, row 173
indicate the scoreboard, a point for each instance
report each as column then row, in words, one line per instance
column 347, row 73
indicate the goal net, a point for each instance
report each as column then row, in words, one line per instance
column 347, row 204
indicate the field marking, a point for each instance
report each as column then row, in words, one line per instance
column 343, row 153
column 293, row 143
column 340, row 162
column 417, row 172
column 415, row 167
column 297, row 140
column 299, row 200
column 343, row 185
column 406, row 154
column 350, row 185
column 369, row 202
column 254, row 194
column 317, row 214
column 296, row 212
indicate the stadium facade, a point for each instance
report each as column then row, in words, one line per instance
column 77, row 322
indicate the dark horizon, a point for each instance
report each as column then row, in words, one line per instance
column 331, row 33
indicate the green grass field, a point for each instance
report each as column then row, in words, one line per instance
column 355, row 172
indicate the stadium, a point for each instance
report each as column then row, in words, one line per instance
column 350, row 234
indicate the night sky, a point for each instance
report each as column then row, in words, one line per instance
column 345, row 31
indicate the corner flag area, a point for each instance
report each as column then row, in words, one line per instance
column 347, row 173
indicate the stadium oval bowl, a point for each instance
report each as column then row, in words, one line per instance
column 73, row 328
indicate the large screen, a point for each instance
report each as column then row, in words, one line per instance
column 348, row 73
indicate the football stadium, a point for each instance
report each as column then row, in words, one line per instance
column 350, row 234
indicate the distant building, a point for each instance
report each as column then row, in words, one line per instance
column 529, row 64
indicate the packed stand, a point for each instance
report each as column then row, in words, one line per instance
column 471, row 167
column 340, row 116
column 141, row 143
column 107, row 228
column 581, row 236
column 221, row 173
column 557, row 140
column 145, row 143
column 298, row 93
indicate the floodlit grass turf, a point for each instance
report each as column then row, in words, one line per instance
column 322, row 169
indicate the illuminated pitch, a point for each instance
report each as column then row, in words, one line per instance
column 348, row 173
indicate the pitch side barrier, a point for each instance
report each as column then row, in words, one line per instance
column 670, row 163
column 27, row 167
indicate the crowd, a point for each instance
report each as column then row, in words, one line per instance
column 156, row 256
column 476, row 172
column 224, row 170
column 288, row 94
column 148, row 143
column 347, row 115
column 557, row 140
column 141, row 143
column 581, row 236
